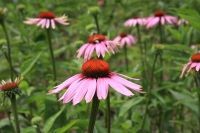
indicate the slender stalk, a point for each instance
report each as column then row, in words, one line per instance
column 139, row 37
column 197, row 81
column 9, row 59
column 142, row 51
column 14, row 108
column 97, row 23
column 149, row 90
column 108, row 114
column 94, row 111
column 51, row 54
column 126, row 57
column 161, row 32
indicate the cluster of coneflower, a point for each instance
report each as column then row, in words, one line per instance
column 96, row 77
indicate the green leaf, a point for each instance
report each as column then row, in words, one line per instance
column 125, row 107
column 66, row 127
column 186, row 100
column 29, row 64
column 49, row 123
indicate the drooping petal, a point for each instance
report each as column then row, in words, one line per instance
column 82, row 50
column 81, row 91
column 65, row 84
column 102, row 88
column 47, row 23
column 71, row 91
column 91, row 90
column 127, row 83
column 53, row 24
column 119, row 87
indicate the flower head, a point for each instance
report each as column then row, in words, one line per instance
column 47, row 20
column 95, row 79
column 10, row 87
column 98, row 43
column 193, row 64
column 125, row 39
column 160, row 17
column 132, row 22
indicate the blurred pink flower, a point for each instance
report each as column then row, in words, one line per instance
column 132, row 22
column 98, row 43
column 125, row 39
column 95, row 79
column 193, row 64
column 47, row 20
column 160, row 17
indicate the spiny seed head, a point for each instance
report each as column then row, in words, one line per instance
column 96, row 38
column 159, row 13
column 195, row 57
column 9, row 85
column 47, row 15
column 123, row 34
column 95, row 68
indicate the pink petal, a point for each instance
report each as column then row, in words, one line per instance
column 65, row 84
column 82, row 50
column 47, row 23
column 152, row 22
column 71, row 91
column 102, row 88
column 119, row 87
column 198, row 67
column 127, row 83
column 81, row 91
column 92, row 85
column 53, row 24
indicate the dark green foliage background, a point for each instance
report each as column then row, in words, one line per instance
column 173, row 107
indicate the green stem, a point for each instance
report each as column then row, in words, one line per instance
column 51, row 54
column 9, row 59
column 94, row 111
column 14, row 108
column 197, row 81
column 126, row 56
column 108, row 122
column 142, row 54
column 149, row 90
column 97, row 23
column 161, row 32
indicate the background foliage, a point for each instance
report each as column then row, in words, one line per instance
column 173, row 107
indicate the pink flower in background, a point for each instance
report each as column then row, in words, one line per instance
column 160, row 17
column 193, row 64
column 95, row 79
column 132, row 22
column 98, row 44
column 125, row 39
column 47, row 20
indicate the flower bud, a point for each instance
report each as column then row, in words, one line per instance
column 2, row 14
column 95, row 10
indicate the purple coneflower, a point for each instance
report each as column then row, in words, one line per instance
column 98, row 43
column 193, row 64
column 136, row 21
column 47, row 20
column 125, row 39
column 160, row 18
column 95, row 79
